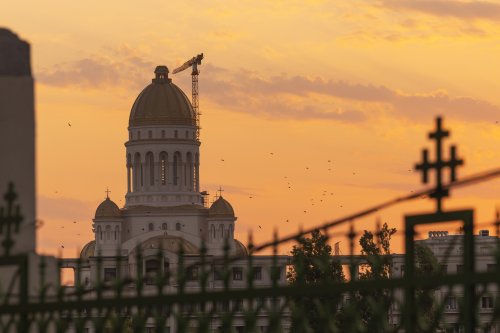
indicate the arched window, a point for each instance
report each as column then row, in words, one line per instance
column 164, row 226
column 108, row 232
column 212, row 231
column 152, row 269
column 129, row 173
column 150, row 168
column 177, row 167
column 221, row 231
column 138, row 135
column 151, row 227
column 176, row 134
column 231, row 232
column 137, row 172
column 99, row 232
column 196, row 173
column 178, row 226
column 163, row 134
column 163, row 167
column 117, row 229
column 187, row 134
column 189, row 174
column 150, row 134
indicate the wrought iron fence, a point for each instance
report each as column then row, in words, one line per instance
column 447, row 283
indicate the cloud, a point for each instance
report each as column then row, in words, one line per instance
column 276, row 97
column 448, row 8
column 119, row 68
column 302, row 98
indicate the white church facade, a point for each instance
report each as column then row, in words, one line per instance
column 164, row 210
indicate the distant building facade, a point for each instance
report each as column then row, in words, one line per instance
column 448, row 250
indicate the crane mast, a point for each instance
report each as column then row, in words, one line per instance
column 193, row 62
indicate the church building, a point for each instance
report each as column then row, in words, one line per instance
column 165, row 210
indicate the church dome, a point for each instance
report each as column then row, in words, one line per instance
column 221, row 208
column 162, row 103
column 107, row 209
column 88, row 250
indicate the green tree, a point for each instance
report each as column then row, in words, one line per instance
column 426, row 264
column 374, row 305
column 313, row 264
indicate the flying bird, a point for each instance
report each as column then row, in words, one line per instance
column 222, row 160
column 260, row 227
column 69, row 124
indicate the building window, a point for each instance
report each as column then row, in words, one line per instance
column 192, row 273
column 152, row 269
column 221, row 231
column 218, row 273
column 450, row 303
column 109, row 274
column 276, row 273
column 487, row 302
column 151, row 227
column 138, row 135
column 164, row 226
column 460, row 269
column 260, row 302
column 176, row 134
column 238, row 305
column 177, row 167
column 150, row 134
column 444, row 268
column 187, row 134
column 237, row 273
column 212, row 231
column 224, row 306
column 99, row 232
column 491, row 267
column 117, row 229
column 150, row 168
column 163, row 168
column 163, row 134
column 257, row 273
column 108, row 232
column 178, row 226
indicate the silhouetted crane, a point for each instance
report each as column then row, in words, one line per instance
column 193, row 62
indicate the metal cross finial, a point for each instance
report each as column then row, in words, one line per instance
column 220, row 190
column 10, row 217
column 107, row 192
column 439, row 164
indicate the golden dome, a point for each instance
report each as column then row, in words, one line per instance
column 162, row 103
column 107, row 209
column 88, row 250
column 221, row 208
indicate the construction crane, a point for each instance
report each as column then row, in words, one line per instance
column 193, row 62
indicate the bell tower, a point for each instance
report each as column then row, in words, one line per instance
column 163, row 147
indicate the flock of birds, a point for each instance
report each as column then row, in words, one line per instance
column 39, row 223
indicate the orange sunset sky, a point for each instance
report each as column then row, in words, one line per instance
column 337, row 96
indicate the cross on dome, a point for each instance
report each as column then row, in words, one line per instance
column 220, row 190
column 107, row 192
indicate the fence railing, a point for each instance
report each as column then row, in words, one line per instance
column 445, row 283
